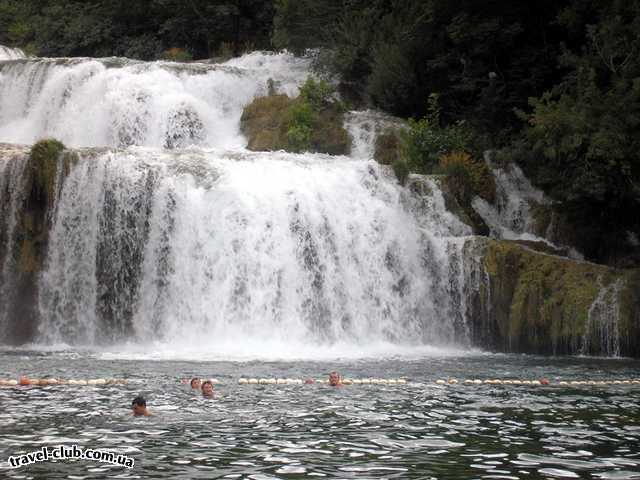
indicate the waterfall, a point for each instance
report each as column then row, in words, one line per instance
column 119, row 102
column 511, row 217
column 237, row 247
column 7, row 53
column 602, row 333
column 165, row 230
column 364, row 128
column 12, row 164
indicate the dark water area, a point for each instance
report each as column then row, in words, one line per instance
column 417, row 430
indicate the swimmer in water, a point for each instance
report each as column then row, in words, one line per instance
column 196, row 383
column 207, row 389
column 334, row 379
column 139, row 407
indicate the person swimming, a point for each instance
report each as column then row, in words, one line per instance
column 196, row 383
column 207, row 389
column 139, row 407
column 334, row 379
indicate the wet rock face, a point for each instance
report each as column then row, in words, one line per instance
column 533, row 302
column 43, row 169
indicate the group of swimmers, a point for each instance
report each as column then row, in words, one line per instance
column 139, row 404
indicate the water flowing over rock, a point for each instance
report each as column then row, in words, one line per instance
column 7, row 53
column 158, row 225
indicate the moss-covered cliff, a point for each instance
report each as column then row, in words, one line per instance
column 46, row 166
column 312, row 122
column 533, row 302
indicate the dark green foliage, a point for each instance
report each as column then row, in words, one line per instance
column 141, row 29
column 579, row 60
column 401, row 169
column 582, row 143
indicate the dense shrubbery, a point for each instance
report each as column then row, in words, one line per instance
column 578, row 60
column 141, row 29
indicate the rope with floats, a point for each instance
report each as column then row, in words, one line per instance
column 26, row 381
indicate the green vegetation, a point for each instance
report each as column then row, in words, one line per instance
column 44, row 160
column 311, row 122
column 555, row 85
column 482, row 61
column 143, row 29
column 541, row 302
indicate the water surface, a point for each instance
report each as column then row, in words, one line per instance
column 418, row 430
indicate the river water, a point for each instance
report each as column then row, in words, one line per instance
column 417, row 430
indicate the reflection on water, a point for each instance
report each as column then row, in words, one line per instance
column 418, row 430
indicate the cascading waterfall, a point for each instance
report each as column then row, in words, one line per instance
column 7, row 53
column 602, row 334
column 174, row 233
column 157, row 104
column 511, row 217
column 12, row 164
column 166, row 230
column 233, row 247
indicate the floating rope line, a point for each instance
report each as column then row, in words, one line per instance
column 25, row 381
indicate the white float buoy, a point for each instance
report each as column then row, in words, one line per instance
column 517, row 382
column 12, row 383
column 81, row 382
column 477, row 382
column 401, row 380
column 242, row 381
column 214, row 381
column 365, row 381
column 392, row 381
column 253, row 381
column 440, row 382
column 271, row 381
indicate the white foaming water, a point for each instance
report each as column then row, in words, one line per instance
column 176, row 239
column 364, row 127
column 8, row 53
column 510, row 218
column 245, row 249
column 118, row 102
column 602, row 332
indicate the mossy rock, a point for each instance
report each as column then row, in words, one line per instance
column 387, row 147
column 266, row 122
column 43, row 164
column 540, row 302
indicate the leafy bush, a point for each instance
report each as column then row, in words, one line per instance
column 317, row 92
column 468, row 177
column 176, row 54
column 425, row 141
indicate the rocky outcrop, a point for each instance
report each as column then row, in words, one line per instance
column 274, row 123
column 532, row 302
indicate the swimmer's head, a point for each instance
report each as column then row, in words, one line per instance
column 195, row 383
column 207, row 389
column 139, row 406
column 334, row 379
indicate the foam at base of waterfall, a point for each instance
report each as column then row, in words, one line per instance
column 268, row 350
